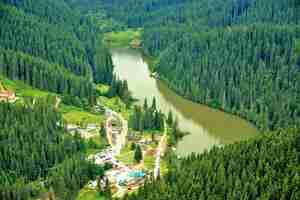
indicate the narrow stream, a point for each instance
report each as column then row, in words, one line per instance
column 208, row 127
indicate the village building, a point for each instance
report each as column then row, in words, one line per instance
column 7, row 96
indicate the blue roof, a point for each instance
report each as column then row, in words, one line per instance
column 136, row 174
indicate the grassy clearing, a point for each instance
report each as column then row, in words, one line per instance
column 98, row 144
column 163, row 167
column 129, row 38
column 127, row 156
column 115, row 104
column 103, row 89
column 81, row 117
column 75, row 115
column 21, row 89
column 149, row 162
column 89, row 194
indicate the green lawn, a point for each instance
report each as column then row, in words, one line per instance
column 126, row 156
column 163, row 167
column 115, row 104
column 89, row 194
column 100, row 143
column 103, row 89
column 75, row 115
column 149, row 162
column 128, row 38
column 21, row 89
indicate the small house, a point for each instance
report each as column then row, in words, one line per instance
column 8, row 96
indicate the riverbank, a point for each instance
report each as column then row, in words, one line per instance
column 207, row 127
column 212, row 105
column 151, row 63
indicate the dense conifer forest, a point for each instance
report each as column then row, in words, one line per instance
column 263, row 168
column 242, row 57
column 239, row 56
column 43, row 75
column 147, row 117
column 56, row 33
column 251, row 71
column 52, row 46
column 37, row 153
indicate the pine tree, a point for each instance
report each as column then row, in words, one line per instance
column 138, row 154
column 170, row 118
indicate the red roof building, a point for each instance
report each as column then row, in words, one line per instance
column 6, row 95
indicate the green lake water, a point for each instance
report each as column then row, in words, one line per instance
column 207, row 127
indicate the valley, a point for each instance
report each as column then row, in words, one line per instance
column 149, row 99
column 207, row 127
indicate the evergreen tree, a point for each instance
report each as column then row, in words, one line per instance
column 102, row 131
column 170, row 118
column 37, row 147
column 138, row 154
column 153, row 106
column 262, row 168
column 148, row 118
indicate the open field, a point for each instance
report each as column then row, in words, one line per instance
column 115, row 104
column 127, row 38
column 21, row 89
column 103, row 89
column 149, row 162
column 89, row 194
column 126, row 156
column 75, row 115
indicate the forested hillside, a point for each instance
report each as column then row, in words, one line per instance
column 239, row 56
column 207, row 13
column 247, row 62
column 28, row 34
column 33, row 141
column 54, row 46
column 43, row 75
column 58, row 34
column 263, row 168
column 251, row 71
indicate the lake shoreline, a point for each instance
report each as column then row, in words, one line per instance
column 207, row 126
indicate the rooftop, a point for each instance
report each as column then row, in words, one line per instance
column 6, row 93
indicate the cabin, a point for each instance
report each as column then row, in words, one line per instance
column 8, row 96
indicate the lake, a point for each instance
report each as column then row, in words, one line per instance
column 207, row 126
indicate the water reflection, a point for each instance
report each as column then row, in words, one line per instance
column 207, row 126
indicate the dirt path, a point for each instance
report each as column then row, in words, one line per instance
column 120, row 139
column 109, row 131
column 162, row 146
column 57, row 102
